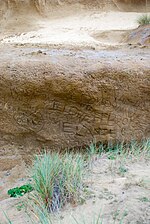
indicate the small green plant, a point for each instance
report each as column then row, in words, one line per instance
column 116, row 216
column 144, row 199
column 20, row 206
column 144, row 20
column 112, row 157
column 20, row 191
column 122, row 170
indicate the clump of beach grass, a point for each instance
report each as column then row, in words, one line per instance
column 120, row 155
column 57, row 179
column 124, row 150
column 144, row 20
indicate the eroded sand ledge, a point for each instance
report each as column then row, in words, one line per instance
column 57, row 98
column 71, row 73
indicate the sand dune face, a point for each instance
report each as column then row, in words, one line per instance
column 25, row 13
column 44, row 5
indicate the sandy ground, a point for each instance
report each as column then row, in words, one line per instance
column 85, row 28
column 114, row 195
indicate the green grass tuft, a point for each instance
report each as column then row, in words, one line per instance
column 144, row 20
column 57, row 179
column 132, row 150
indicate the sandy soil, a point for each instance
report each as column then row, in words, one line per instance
column 81, row 29
column 113, row 194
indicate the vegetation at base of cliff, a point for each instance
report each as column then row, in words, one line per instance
column 59, row 178
column 144, row 20
column 131, row 150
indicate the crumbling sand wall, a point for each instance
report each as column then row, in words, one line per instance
column 52, row 102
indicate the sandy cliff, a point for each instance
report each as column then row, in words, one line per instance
column 61, row 98
column 55, row 92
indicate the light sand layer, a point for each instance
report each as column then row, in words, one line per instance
column 78, row 29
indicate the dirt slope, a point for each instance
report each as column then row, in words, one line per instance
column 140, row 36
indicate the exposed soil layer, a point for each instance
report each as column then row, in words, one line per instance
column 59, row 98
column 140, row 36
